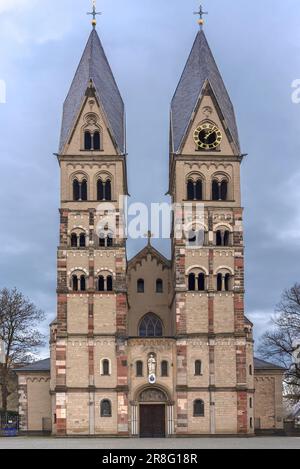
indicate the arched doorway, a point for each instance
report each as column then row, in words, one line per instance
column 153, row 413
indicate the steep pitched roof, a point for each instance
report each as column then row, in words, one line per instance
column 42, row 365
column 94, row 66
column 200, row 69
column 263, row 365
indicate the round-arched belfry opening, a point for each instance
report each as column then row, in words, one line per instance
column 152, row 413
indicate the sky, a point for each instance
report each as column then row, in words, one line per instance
column 257, row 49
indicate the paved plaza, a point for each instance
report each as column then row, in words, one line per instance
column 156, row 444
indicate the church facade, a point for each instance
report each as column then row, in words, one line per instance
column 149, row 347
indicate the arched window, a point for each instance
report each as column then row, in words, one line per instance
column 84, row 190
column 109, row 283
column 224, row 190
column 199, row 190
column 100, row 190
column 192, row 282
column 219, row 238
column 164, row 369
column 198, row 408
column 108, row 190
column 219, row 282
column 82, row 283
column 82, row 240
column 190, row 190
column 159, row 286
column 201, row 282
column 226, row 238
column 109, row 240
column 227, row 282
column 105, row 408
column 140, row 286
column 76, row 190
column 198, row 368
column 250, row 370
column 101, row 285
column 215, row 190
column 102, row 241
column 74, row 240
column 75, row 283
column 139, row 369
column 97, row 143
column 87, row 140
column 151, row 326
column 105, row 368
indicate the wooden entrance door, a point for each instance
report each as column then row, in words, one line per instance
column 152, row 421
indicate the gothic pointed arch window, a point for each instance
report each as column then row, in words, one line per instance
column 190, row 190
column 97, row 141
column 199, row 408
column 107, row 192
column 199, row 190
column 84, row 190
column 151, row 326
column 100, row 190
column 105, row 408
column 224, row 190
column 87, row 140
column 194, row 187
column 104, row 188
column 215, row 190
column 76, row 190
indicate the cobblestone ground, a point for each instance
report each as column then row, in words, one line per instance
column 189, row 443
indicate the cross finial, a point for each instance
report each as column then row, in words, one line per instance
column 149, row 236
column 201, row 13
column 94, row 13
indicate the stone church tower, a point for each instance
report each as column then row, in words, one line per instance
column 88, row 355
column 151, row 347
column 208, row 301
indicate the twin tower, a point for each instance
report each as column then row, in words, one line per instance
column 151, row 347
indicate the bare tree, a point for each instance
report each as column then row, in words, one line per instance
column 282, row 342
column 19, row 319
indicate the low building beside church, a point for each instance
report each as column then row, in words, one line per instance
column 150, row 347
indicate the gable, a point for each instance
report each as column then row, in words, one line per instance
column 207, row 111
column 91, row 118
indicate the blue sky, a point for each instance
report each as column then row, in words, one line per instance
column 147, row 42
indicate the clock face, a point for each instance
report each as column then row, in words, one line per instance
column 208, row 136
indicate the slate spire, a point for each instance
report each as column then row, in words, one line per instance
column 94, row 67
column 200, row 69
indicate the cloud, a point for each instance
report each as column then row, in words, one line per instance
column 16, row 5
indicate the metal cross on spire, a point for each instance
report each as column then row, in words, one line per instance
column 201, row 13
column 94, row 13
